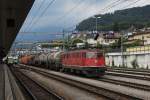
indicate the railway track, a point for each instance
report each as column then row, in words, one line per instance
column 33, row 90
column 129, row 74
column 130, row 80
column 128, row 84
column 73, row 93
column 129, row 69
column 141, row 77
column 119, row 89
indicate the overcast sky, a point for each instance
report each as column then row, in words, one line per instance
column 58, row 15
column 65, row 14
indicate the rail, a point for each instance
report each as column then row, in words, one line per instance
column 102, row 88
column 34, row 90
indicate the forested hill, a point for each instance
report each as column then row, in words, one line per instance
column 138, row 17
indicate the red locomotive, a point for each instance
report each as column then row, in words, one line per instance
column 87, row 62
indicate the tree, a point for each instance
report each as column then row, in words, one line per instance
column 135, row 64
column 99, row 46
column 115, row 27
column 119, row 20
column 75, row 41
column 135, row 43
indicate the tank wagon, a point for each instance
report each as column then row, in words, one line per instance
column 87, row 62
column 26, row 59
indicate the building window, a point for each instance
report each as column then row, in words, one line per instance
column 10, row 23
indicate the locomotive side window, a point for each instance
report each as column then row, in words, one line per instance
column 91, row 55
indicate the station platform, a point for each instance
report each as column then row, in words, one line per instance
column 9, row 89
column 2, row 81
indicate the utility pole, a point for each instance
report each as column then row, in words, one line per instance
column 96, row 25
column 67, row 38
column 96, row 19
column 63, row 40
column 122, row 49
column 86, row 42
column 15, row 48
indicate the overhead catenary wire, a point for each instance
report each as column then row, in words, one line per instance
column 131, row 4
column 111, row 5
column 87, row 6
column 124, row 6
column 123, row 1
column 36, row 14
column 38, row 33
column 34, row 20
column 108, row 6
column 71, row 10
column 40, row 16
column 60, row 18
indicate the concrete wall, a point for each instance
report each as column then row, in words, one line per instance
column 142, row 59
column 12, row 16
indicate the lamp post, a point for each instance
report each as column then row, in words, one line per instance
column 65, row 32
column 63, row 39
column 96, row 22
column 122, row 48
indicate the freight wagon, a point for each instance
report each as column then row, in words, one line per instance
column 87, row 62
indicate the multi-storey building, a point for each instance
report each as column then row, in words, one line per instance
column 143, row 36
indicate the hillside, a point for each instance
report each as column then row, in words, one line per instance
column 138, row 17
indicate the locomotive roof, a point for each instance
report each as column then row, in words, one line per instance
column 88, row 50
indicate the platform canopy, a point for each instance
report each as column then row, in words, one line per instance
column 12, row 16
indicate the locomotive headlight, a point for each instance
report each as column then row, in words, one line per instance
column 96, row 61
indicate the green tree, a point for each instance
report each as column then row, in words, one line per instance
column 135, row 64
column 99, row 46
column 75, row 41
column 115, row 27
column 119, row 20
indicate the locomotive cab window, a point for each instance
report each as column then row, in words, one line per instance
column 91, row 55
